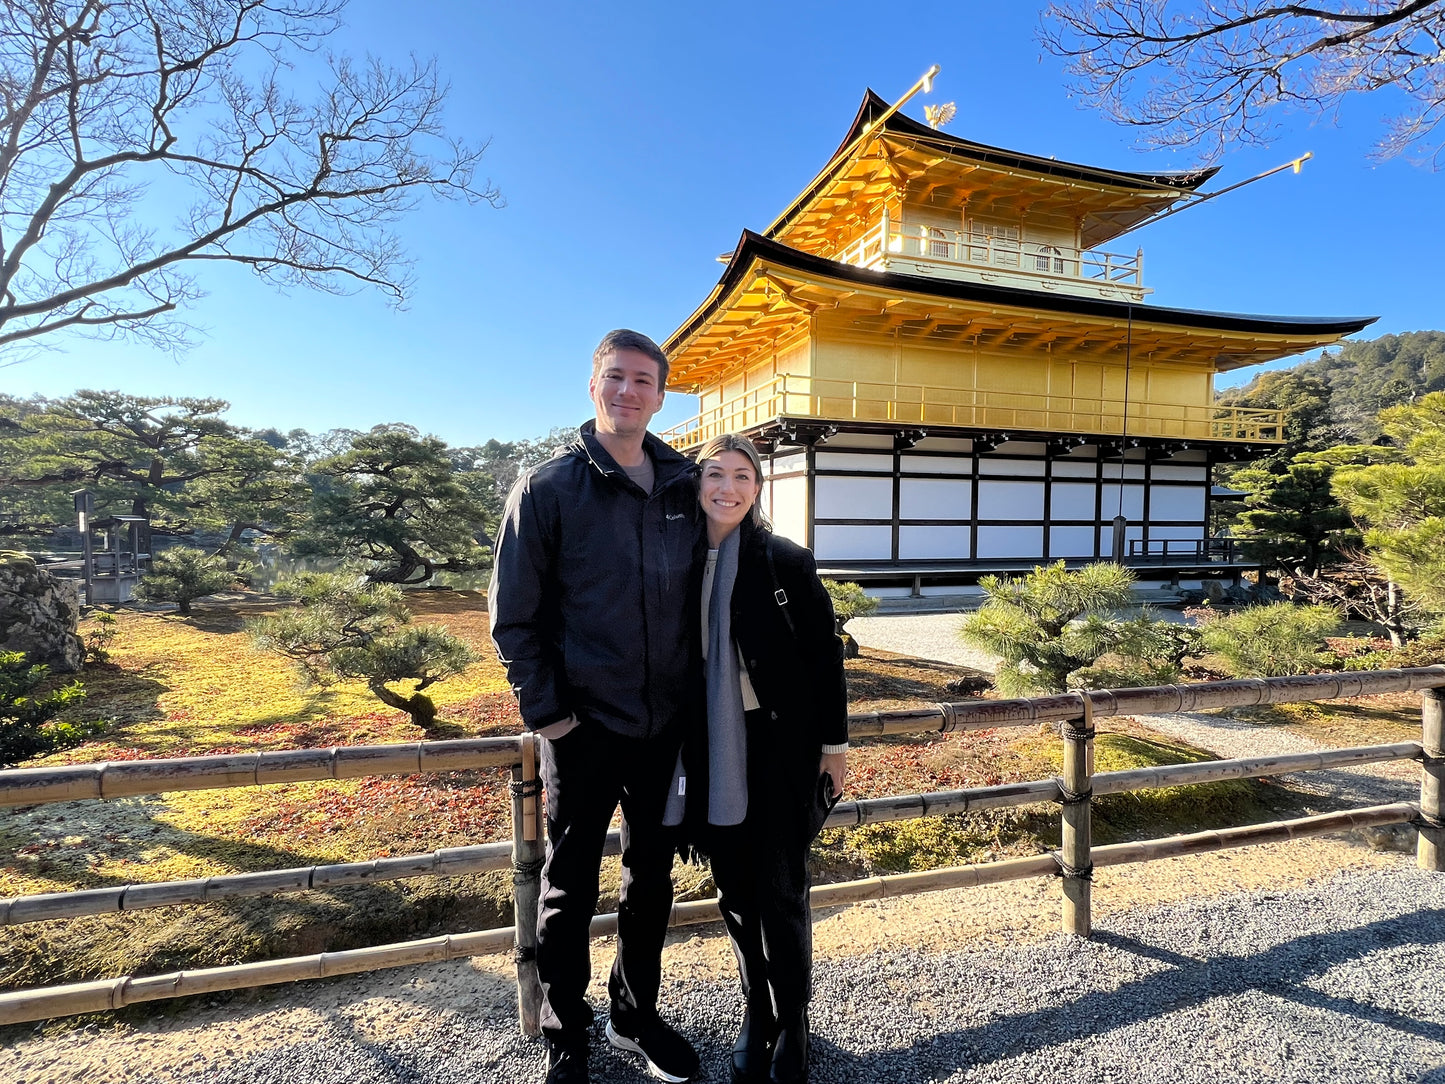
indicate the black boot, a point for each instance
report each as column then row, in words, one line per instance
column 790, row 1056
column 754, row 1048
column 567, row 1063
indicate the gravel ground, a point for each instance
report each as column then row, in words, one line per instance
column 1338, row 981
column 926, row 636
column 935, row 636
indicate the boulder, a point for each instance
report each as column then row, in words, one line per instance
column 39, row 613
column 1216, row 590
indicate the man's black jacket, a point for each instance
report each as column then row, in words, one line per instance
column 588, row 601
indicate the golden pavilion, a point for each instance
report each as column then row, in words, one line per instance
column 954, row 374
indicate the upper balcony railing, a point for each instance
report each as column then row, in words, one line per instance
column 1036, row 412
column 987, row 254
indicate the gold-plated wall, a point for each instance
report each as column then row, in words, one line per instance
column 831, row 369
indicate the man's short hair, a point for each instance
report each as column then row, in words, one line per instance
column 623, row 339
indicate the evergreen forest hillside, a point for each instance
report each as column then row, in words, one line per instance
column 1336, row 399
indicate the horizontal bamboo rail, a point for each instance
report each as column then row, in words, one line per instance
column 1210, row 771
column 107, row 994
column 1240, row 693
column 938, row 803
column 488, row 857
column 126, row 778
column 902, row 807
column 1219, row 839
column 40, row 1004
column 33, row 786
column 447, row 862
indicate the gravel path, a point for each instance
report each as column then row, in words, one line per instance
column 926, row 636
column 1339, row 981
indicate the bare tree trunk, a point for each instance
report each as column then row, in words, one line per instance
column 224, row 549
column 1393, row 622
column 419, row 706
column 405, row 572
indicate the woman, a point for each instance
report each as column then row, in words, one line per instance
column 767, row 760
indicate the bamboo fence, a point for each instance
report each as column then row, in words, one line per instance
column 1073, row 863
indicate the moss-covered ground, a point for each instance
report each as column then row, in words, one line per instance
column 177, row 687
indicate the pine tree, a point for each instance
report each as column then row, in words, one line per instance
column 347, row 627
column 397, row 499
column 183, row 574
column 1292, row 519
column 1051, row 623
column 1400, row 500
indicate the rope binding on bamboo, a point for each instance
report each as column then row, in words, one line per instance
column 1073, row 873
column 1081, row 729
column 526, row 871
column 526, row 788
column 1421, row 819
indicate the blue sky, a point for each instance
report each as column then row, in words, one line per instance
column 633, row 142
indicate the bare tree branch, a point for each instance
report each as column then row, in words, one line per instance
column 1359, row 589
column 1207, row 73
column 111, row 110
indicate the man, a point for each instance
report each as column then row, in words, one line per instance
column 587, row 607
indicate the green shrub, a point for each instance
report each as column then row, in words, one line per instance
column 98, row 636
column 1148, row 652
column 182, row 574
column 26, row 726
column 1276, row 640
column 1047, row 624
column 1053, row 631
column 849, row 601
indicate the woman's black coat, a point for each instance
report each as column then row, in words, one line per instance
column 796, row 671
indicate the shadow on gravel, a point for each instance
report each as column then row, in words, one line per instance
column 1283, row 971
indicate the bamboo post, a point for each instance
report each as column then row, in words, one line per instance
column 1077, row 795
column 527, row 854
column 1430, row 848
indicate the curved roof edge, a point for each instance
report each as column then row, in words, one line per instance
column 1184, row 182
column 754, row 246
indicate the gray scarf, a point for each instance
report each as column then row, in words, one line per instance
column 727, row 737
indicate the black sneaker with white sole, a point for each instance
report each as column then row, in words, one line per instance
column 668, row 1055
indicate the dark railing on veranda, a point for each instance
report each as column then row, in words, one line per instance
column 1167, row 551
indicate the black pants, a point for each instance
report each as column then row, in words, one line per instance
column 762, row 879
column 587, row 774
